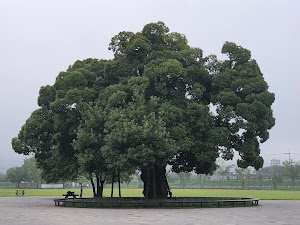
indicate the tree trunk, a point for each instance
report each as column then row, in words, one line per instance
column 112, row 184
column 101, row 187
column 155, row 183
column 98, row 186
column 94, row 189
column 119, row 182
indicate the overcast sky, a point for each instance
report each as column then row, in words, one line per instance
column 39, row 39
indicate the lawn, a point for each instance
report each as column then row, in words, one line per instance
column 261, row 194
column 131, row 192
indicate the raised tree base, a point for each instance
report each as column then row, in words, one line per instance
column 178, row 202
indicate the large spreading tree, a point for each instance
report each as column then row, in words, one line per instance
column 157, row 102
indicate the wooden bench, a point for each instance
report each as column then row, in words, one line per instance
column 20, row 192
column 70, row 193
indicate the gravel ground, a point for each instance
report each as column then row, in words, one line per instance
column 41, row 211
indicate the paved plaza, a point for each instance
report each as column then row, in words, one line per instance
column 41, row 211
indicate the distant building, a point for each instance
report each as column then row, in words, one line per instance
column 52, row 186
column 275, row 162
column 230, row 176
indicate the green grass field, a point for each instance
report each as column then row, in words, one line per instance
column 131, row 192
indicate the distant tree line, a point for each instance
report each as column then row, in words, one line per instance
column 27, row 173
column 287, row 174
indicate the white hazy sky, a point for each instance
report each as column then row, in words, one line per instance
column 39, row 39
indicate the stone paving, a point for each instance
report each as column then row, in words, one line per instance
column 41, row 211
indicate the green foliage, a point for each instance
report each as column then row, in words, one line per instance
column 33, row 173
column 243, row 102
column 28, row 172
column 276, row 178
column 223, row 170
column 243, row 175
column 149, row 106
column 2, row 177
column 16, row 175
column 292, row 170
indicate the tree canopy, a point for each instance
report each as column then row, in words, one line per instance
column 28, row 172
column 159, row 101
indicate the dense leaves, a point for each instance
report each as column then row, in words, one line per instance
column 158, row 102
column 28, row 172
